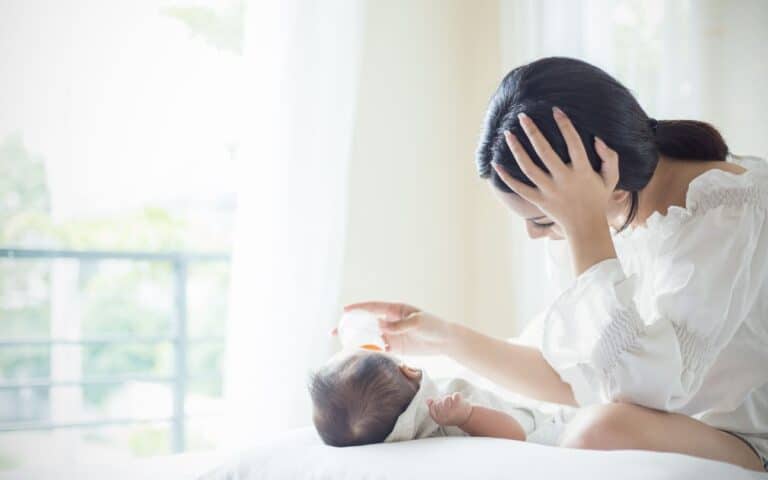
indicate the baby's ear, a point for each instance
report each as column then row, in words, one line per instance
column 410, row 373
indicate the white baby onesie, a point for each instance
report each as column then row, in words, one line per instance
column 415, row 422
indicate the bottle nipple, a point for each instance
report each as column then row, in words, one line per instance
column 368, row 346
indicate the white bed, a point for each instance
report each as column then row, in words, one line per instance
column 186, row 466
column 299, row 454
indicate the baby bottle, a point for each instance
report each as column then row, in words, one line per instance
column 360, row 329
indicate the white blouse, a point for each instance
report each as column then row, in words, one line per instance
column 679, row 322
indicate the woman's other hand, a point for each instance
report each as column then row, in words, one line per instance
column 406, row 329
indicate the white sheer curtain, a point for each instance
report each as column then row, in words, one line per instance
column 303, row 70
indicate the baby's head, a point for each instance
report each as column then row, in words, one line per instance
column 358, row 397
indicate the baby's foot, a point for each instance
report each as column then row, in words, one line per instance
column 450, row 410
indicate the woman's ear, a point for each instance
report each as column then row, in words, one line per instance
column 617, row 207
column 410, row 373
column 620, row 196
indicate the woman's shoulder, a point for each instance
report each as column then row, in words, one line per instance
column 742, row 185
column 746, row 185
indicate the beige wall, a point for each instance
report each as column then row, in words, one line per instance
column 423, row 228
column 735, row 36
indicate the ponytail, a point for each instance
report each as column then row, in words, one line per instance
column 689, row 140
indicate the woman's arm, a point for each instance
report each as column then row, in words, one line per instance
column 410, row 331
column 519, row 368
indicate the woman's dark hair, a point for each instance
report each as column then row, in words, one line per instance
column 599, row 106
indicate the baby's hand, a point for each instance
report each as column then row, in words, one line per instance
column 450, row 410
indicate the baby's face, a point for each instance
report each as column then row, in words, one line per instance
column 347, row 358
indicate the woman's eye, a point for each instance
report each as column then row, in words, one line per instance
column 543, row 225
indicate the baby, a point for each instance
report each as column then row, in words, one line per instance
column 366, row 397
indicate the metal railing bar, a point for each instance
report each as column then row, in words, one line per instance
column 29, row 426
column 37, row 426
column 27, row 342
column 112, row 255
column 178, row 435
column 107, row 380
column 43, row 383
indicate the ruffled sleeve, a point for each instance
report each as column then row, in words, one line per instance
column 706, row 270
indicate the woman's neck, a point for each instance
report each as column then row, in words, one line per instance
column 663, row 190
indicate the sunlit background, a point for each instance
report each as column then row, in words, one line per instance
column 305, row 153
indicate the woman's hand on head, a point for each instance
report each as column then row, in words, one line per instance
column 408, row 330
column 573, row 195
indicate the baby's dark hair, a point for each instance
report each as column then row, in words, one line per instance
column 358, row 401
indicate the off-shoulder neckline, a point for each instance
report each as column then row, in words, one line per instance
column 701, row 184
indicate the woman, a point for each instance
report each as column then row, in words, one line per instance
column 662, row 337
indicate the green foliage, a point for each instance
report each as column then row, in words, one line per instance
column 24, row 301
column 149, row 229
column 144, row 441
column 24, row 215
column 24, row 362
column 24, row 198
column 8, row 462
column 221, row 28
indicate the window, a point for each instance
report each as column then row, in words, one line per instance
column 117, row 143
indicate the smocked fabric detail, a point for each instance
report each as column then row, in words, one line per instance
column 696, row 351
column 730, row 197
column 620, row 335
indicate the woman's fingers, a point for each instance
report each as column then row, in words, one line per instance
column 572, row 139
column 373, row 307
column 539, row 177
column 388, row 342
column 395, row 328
column 527, row 192
column 391, row 311
column 609, row 169
column 541, row 145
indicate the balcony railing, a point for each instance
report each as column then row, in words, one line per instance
column 179, row 340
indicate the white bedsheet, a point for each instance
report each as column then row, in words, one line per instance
column 301, row 455
column 186, row 466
